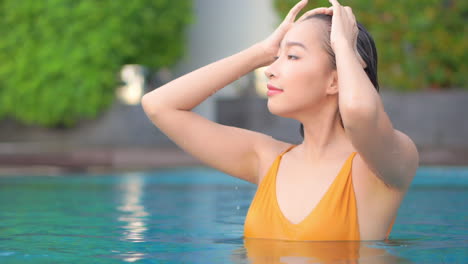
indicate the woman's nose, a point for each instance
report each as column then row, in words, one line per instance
column 268, row 73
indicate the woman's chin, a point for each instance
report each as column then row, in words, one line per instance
column 277, row 109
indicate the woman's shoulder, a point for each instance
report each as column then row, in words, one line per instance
column 267, row 152
column 272, row 148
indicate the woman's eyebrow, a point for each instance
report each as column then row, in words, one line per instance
column 295, row 43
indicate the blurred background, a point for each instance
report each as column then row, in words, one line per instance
column 72, row 74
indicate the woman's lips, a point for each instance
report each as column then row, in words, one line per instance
column 272, row 90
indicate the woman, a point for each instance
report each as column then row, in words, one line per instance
column 347, row 178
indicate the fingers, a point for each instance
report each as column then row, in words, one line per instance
column 345, row 13
column 295, row 10
column 352, row 18
column 349, row 13
column 334, row 3
column 338, row 8
column 320, row 10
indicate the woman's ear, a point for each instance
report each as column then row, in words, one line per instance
column 332, row 87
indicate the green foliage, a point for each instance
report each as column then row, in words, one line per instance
column 420, row 44
column 60, row 59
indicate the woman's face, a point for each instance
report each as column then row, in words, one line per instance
column 302, row 70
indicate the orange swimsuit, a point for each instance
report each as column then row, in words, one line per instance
column 334, row 217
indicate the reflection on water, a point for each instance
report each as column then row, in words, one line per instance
column 263, row 251
column 133, row 214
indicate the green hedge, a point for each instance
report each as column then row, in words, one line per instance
column 421, row 44
column 60, row 59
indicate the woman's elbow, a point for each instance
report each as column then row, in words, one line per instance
column 145, row 103
column 149, row 105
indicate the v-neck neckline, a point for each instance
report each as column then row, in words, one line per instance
column 275, row 198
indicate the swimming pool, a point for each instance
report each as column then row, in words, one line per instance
column 196, row 215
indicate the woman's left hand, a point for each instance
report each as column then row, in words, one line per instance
column 344, row 30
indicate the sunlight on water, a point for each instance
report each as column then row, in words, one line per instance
column 134, row 213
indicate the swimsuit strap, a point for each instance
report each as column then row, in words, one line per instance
column 288, row 149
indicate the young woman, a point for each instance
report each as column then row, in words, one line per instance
column 347, row 178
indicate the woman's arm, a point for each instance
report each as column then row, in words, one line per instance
column 190, row 90
column 229, row 149
column 390, row 154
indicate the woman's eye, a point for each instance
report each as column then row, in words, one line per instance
column 290, row 57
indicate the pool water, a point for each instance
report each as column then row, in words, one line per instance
column 196, row 215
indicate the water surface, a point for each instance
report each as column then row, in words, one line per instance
column 196, row 215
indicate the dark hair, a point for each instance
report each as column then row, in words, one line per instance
column 365, row 46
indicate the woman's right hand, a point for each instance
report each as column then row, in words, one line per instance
column 271, row 45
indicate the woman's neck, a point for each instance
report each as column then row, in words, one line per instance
column 324, row 135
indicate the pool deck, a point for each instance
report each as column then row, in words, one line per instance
column 91, row 159
column 16, row 159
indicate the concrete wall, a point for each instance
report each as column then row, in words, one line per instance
column 434, row 120
column 121, row 125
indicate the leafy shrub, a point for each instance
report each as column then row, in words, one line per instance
column 420, row 44
column 60, row 58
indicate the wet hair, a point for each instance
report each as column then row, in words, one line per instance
column 365, row 46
